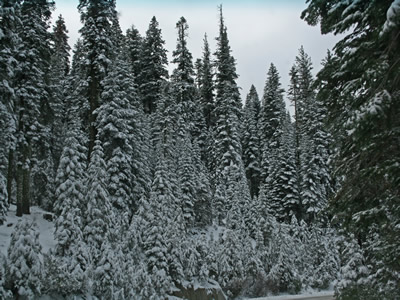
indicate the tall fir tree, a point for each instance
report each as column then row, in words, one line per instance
column 32, row 106
column 206, row 84
column 183, row 75
column 153, row 73
column 134, row 42
column 270, row 118
column 360, row 88
column 60, row 66
column 121, row 129
column 98, row 47
column 229, row 169
column 251, row 141
column 98, row 225
column 312, row 141
column 282, row 182
column 10, row 42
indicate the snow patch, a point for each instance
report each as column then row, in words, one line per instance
column 45, row 228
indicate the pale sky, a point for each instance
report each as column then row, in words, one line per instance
column 259, row 31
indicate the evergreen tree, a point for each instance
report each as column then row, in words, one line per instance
column 251, row 141
column 362, row 97
column 32, row 107
column 10, row 42
column 270, row 118
column 97, row 37
column 183, row 75
column 107, row 273
column 70, row 258
column 4, row 292
column 121, row 130
column 60, row 67
column 24, row 272
column 134, row 46
column 282, row 182
column 99, row 215
column 206, row 84
column 153, row 71
column 229, row 166
column 161, row 232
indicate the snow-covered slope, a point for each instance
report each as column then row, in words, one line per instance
column 45, row 228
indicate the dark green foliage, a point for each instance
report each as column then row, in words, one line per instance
column 98, row 49
column 153, row 73
column 251, row 141
column 134, row 43
column 360, row 88
column 206, row 87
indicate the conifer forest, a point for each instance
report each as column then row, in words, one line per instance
column 166, row 185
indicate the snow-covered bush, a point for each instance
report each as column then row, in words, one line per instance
column 4, row 293
column 24, row 271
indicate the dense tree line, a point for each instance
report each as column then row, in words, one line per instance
column 160, row 182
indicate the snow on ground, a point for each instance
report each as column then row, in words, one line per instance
column 300, row 296
column 45, row 228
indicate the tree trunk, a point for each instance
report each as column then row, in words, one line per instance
column 10, row 174
column 26, row 190
column 19, row 188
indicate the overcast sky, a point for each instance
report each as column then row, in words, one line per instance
column 259, row 31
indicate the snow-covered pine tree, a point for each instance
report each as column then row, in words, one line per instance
column 270, row 118
column 99, row 217
column 76, row 104
column 60, row 67
column 161, row 233
column 312, row 141
column 282, row 182
column 153, row 73
column 183, row 75
column 206, row 84
column 32, row 91
column 229, row 169
column 108, row 280
column 187, row 177
column 24, row 271
column 251, row 141
column 97, row 38
column 10, row 41
column 352, row 271
column 70, row 193
column 360, row 87
column 70, row 258
column 122, row 129
column 4, row 292
column 203, row 201
column 134, row 43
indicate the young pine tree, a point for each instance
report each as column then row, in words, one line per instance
column 24, row 272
